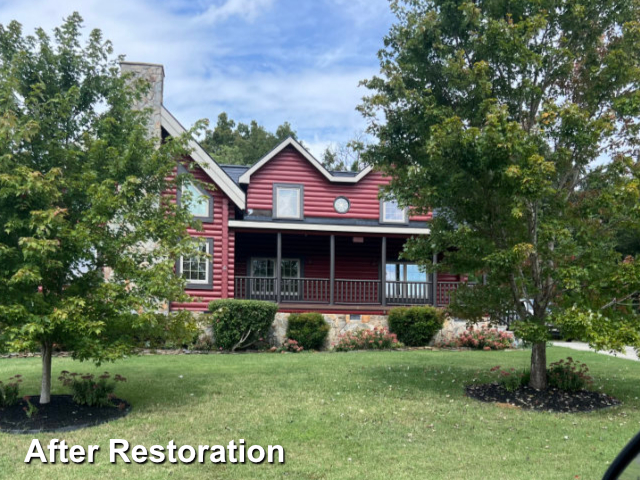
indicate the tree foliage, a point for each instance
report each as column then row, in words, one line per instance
column 497, row 115
column 82, row 193
column 241, row 144
column 345, row 157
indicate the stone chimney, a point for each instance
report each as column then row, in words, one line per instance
column 154, row 74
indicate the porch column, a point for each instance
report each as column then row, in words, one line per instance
column 332, row 268
column 383, row 273
column 278, row 267
column 434, row 286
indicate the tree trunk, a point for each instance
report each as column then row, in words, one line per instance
column 45, row 389
column 538, row 378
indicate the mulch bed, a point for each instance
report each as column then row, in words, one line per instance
column 61, row 415
column 550, row 400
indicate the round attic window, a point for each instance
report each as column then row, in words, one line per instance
column 341, row 204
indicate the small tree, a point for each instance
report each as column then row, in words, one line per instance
column 82, row 195
column 494, row 116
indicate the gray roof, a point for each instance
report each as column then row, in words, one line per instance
column 338, row 173
column 235, row 171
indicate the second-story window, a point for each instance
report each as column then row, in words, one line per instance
column 391, row 212
column 199, row 202
column 288, row 201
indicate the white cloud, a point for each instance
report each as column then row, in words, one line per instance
column 247, row 9
column 236, row 56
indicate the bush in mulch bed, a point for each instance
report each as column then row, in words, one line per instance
column 552, row 399
column 92, row 402
column 567, row 392
column 61, row 415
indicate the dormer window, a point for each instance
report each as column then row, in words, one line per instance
column 288, row 201
column 391, row 212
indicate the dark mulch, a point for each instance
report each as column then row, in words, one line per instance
column 552, row 399
column 61, row 415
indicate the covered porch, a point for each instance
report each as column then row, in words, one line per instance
column 336, row 271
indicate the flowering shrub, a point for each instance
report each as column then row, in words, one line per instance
column 30, row 410
column 377, row 339
column 87, row 390
column 481, row 339
column 569, row 375
column 289, row 345
column 510, row 379
column 10, row 391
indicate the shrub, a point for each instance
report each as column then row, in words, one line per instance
column 569, row 375
column 289, row 345
column 30, row 410
column 510, row 379
column 482, row 339
column 415, row 326
column 10, row 391
column 309, row 329
column 87, row 390
column 240, row 323
column 377, row 339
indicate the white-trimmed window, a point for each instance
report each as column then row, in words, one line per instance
column 288, row 201
column 196, row 270
column 391, row 212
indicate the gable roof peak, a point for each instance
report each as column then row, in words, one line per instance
column 291, row 141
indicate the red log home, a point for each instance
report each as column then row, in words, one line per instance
column 288, row 230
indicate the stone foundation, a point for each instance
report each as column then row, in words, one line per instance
column 342, row 323
column 338, row 323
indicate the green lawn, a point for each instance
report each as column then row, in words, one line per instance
column 383, row 415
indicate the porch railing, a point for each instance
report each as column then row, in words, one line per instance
column 362, row 292
column 409, row 293
column 305, row 290
column 346, row 291
column 446, row 289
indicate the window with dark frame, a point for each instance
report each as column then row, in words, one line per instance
column 200, row 201
column 196, row 270
column 288, row 201
column 391, row 212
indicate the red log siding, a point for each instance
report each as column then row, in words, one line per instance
column 223, row 248
column 290, row 167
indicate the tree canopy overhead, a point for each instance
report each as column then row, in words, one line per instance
column 499, row 115
column 82, row 192
column 241, row 144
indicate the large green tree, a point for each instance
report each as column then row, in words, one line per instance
column 82, row 193
column 495, row 114
column 242, row 144
column 345, row 156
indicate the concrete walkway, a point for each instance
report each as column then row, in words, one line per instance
column 630, row 353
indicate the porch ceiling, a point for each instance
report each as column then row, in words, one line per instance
column 306, row 227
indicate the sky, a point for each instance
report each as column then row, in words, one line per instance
column 270, row 60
